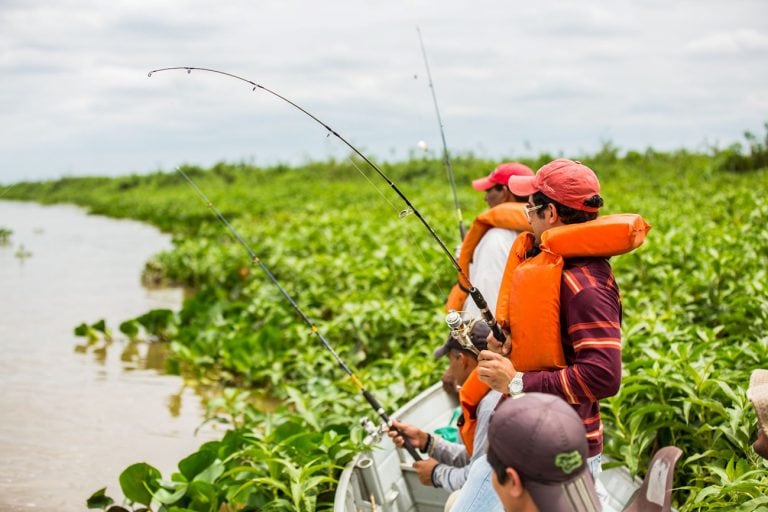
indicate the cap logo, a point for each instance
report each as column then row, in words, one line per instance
column 568, row 461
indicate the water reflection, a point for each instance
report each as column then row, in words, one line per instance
column 74, row 412
column 134, row 354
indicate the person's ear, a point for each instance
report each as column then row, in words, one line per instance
column 514, row 483
column 553, row 216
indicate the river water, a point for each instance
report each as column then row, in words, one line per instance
column 71, row 419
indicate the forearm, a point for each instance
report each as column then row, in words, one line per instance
column 593, row 375
column 452, row 454
column 449, row 477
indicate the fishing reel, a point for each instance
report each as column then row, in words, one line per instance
column 461, row 330
column 375, row 433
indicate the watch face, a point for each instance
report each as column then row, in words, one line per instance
column 516, row 386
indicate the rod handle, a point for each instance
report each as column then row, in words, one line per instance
column 487, row 315
column 383, row 415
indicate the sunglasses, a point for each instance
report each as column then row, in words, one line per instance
column 529, row 209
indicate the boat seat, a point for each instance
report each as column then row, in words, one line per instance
column 655, row 493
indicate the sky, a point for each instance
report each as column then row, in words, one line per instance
column 512, row 79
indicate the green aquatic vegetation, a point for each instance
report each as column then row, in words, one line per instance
column 283, row 464
column 95, row 331
column 695, row 315
column 22, row 253
column 5, row 236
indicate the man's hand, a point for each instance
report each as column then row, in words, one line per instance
column 495, row 345
column 424, row 470
column 495, row 370
column 417, row 438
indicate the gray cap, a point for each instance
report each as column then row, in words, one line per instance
column 542, row 438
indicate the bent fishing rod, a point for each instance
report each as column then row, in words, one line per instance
column 446, row 157
column 476, row 295
column 255, row 259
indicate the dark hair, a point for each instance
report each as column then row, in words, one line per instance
column 567, row 214
column 518, row 199
column 464, row 351
column 498, row 467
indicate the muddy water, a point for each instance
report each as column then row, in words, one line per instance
column 72, row 420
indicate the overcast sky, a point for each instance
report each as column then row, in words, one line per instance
column 512, row 79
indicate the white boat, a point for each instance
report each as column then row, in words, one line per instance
column 382, row 479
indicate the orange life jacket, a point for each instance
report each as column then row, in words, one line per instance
column 529, row 298
column 470, row 394
column 505, row 215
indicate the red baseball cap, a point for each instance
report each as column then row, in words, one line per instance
column 501, row 174
column 569, row 182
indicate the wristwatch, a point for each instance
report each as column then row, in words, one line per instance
column 515, row 386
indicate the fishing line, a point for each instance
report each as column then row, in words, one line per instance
column 255, row 259
column 446, row 156
column 402, row 214
column 476, row 295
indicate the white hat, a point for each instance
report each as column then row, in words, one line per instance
column 758, row 395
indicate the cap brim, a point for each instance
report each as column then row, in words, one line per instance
column 483, row 183
column 758, row 377
column 757, row 393
column 576, row 495
column 522, row 185
column 444, row 349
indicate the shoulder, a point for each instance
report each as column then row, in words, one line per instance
column 589, row 290
column 499, row 235
column 501, row 232
column 490, row 400
column 584, row 274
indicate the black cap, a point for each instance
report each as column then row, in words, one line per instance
column 478, row 334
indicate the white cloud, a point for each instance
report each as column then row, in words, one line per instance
column 729, row 43
column 559, row 74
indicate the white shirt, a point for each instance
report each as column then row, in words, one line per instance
column 487, row 267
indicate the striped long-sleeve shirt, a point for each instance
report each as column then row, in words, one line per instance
column 590, row 319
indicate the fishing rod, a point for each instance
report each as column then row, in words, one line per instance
column 446, row 157
column 476, row 295
column 255, row 259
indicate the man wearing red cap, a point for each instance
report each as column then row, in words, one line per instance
column 484, row 250
column 576, row 310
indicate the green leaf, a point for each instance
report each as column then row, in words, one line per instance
column 99, row 499
column 203, row 497
column 139, row 481
column 100, row 326
column 194, row 464
column 130, row 328
column 166, row 497
column 211, row 473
